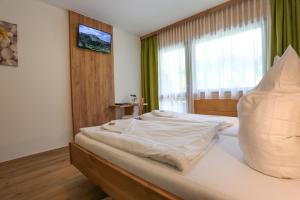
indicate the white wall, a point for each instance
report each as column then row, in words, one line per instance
column 35, row 105
column 127, row 65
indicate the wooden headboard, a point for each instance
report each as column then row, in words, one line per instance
column 226, row 107
column 92, row 78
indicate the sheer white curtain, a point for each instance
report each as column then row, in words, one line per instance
column 229, row 63
column 220, row 55
column 172, row 78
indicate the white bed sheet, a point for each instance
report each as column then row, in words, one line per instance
column 220, row 174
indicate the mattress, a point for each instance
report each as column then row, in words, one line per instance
column 219, row 174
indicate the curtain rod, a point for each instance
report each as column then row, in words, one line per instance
column 185, row 20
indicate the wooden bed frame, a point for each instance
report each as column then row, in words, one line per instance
column 120, row 184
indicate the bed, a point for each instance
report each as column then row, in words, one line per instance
column 220, row 174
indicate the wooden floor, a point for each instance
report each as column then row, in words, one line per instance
column 45, row 176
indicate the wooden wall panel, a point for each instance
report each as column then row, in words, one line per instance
column 226, row 107
column 92, row 78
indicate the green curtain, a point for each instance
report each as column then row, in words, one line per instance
column 285, row 26
column 150, row 72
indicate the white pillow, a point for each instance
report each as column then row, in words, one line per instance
column 269, row 117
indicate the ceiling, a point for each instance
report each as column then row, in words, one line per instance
column 137, row 16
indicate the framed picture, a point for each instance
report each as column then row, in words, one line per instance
column 8, row 44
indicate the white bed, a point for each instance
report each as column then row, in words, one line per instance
column 219, row 174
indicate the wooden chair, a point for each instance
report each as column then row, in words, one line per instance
column 226, row 107
column 140, row 106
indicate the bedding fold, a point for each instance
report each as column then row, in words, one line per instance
column 173, row 142
column 161, row 115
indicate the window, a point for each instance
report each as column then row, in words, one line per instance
column 223, row 65
column 172, row 79
column 231, row 63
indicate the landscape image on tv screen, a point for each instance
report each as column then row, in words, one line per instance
column 93, row 39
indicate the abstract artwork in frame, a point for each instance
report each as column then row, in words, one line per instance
column 8, row 44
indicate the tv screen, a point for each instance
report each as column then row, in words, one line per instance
column 93, row 39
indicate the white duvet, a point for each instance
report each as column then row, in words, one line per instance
column 176, row 143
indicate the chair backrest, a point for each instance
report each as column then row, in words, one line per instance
column 141, row 106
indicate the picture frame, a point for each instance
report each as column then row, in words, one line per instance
column 8, row 44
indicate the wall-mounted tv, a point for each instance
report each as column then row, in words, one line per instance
column 93, row 39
